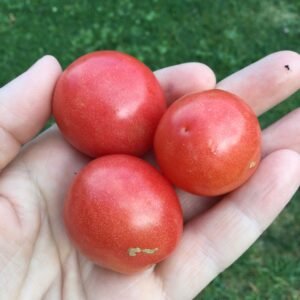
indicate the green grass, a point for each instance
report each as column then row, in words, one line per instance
column 226, row 35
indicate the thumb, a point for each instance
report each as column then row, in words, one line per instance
column 25, row 106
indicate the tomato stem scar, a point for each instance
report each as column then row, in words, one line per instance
column 134, row 251
column 184, row 129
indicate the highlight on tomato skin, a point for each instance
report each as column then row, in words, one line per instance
column 208, row 143
column 122, row 214
column 108, row 102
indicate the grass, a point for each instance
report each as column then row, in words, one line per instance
column 226, row 35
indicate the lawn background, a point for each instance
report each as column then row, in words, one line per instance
column 226, row 35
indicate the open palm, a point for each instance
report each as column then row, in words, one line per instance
column 37, row 260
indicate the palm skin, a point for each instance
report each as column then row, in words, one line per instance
column 37, row 260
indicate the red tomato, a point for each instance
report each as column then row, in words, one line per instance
column 208, row 143
column 122, row 214
column 108, row 102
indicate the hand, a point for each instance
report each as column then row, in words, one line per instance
column 37, row 260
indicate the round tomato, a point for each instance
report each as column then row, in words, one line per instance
column 208, row 143
column 108, row 102
column 123, row 214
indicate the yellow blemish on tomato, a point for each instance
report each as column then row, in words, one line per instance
column 134, row 251
column 252, row 164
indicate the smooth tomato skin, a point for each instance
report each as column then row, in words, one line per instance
column 208, row 143
column 108, row 102
column 123, row 214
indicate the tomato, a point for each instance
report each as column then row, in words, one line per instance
column 108, row 102
column 208, row 143
column 123, row 214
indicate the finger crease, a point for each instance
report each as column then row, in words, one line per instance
column 11, row 135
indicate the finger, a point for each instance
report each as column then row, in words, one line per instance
column 194, row 205
column 182, row 79
column 25, row 106
column 216, row 239
column 266, row 82
column 284, row 134
column 43, row 171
